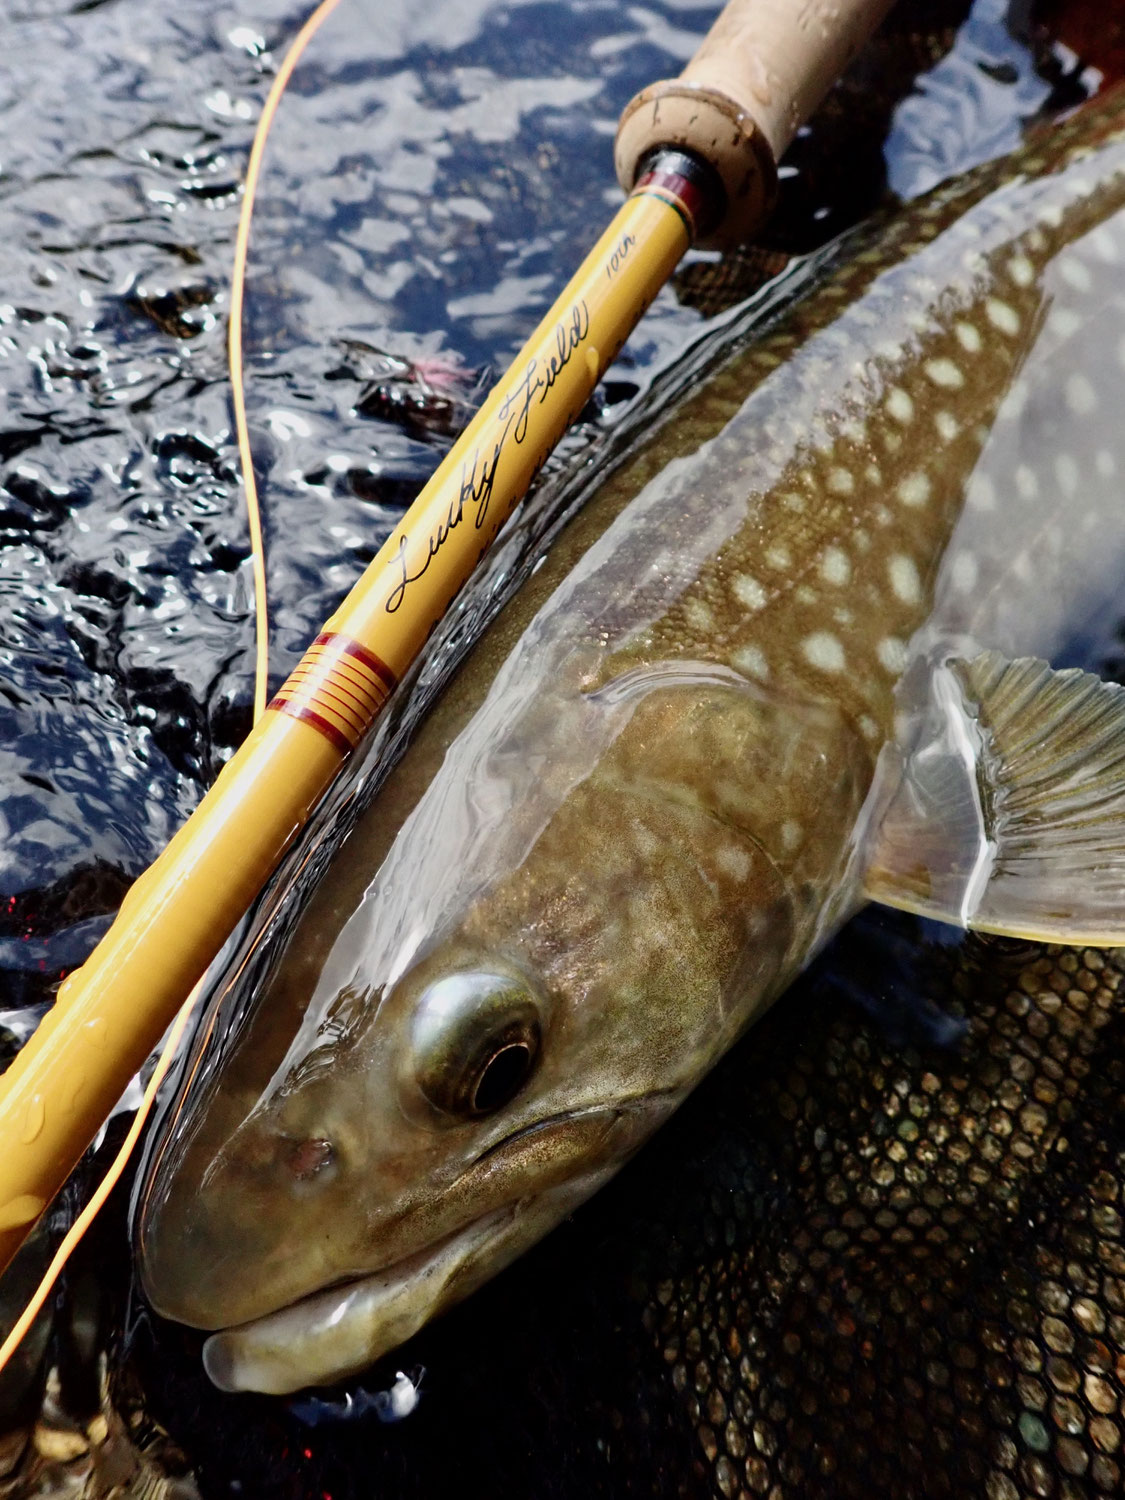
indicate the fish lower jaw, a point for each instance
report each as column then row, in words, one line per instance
column 335, row 1333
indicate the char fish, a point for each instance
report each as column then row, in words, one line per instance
column 793, row 655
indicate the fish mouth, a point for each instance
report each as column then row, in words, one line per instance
column 337, row 1332
column 340, row 1330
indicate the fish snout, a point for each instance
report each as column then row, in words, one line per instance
column 244, row 1234
column 437, row 1253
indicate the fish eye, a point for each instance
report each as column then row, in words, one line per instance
column 475, row 1041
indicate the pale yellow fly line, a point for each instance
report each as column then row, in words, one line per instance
column 234, row 342
column 261, row 664
column 104, row 1188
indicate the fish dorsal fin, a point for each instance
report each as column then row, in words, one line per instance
column 1006, row 810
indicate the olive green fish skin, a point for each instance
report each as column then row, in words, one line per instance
column 637, row 807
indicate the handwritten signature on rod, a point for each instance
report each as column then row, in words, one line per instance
column 478, row 473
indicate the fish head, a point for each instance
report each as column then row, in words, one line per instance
column 456, row 1086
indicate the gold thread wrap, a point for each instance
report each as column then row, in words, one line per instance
column 338, row 687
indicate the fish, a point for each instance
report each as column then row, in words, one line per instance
column 791, row 657
column 844, row 1263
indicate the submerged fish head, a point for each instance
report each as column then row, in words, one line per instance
column 427, row 1132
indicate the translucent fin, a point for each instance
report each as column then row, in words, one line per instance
column 1008, row 814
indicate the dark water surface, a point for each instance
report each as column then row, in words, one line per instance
column 436, row 172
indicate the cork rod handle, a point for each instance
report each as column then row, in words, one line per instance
column 762, row 69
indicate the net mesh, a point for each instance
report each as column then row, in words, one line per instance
column 926, row 1291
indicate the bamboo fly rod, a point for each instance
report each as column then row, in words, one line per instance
column 697, row 157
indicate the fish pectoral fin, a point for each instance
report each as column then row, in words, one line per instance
column 1005, row 811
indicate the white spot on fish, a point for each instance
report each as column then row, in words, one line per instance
column 1014, row 403
column 892, row 654
column 1080, row 395
column 1026, row 482
column 1104, row 243
column 823, row 651
column 965, row 572
column 699, row 615
column 947, row 425
column 840, row 481
column 733, row 861
column 868, row 727
column 1066, row 472
column 981, row 493
column 1105, row 463
column 945, row 373
column 899, row 404
column 822, row 437
column 749, row 591
column 791, row 835
column 861, row 541
column 843, row 616
column 915, row 489
column 645, row 842
column 1075, row 274
column 873, row 474
column 778, row 556
column 904, row 578
column 892, row 441
column 752, row 661
column 1021, row 270
column 793, row 501
column 1064, row 322
column 835, row 566
column 923, row 287
column 968, row 337
column 1002, row 316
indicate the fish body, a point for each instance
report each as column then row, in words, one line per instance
column 653, row 790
